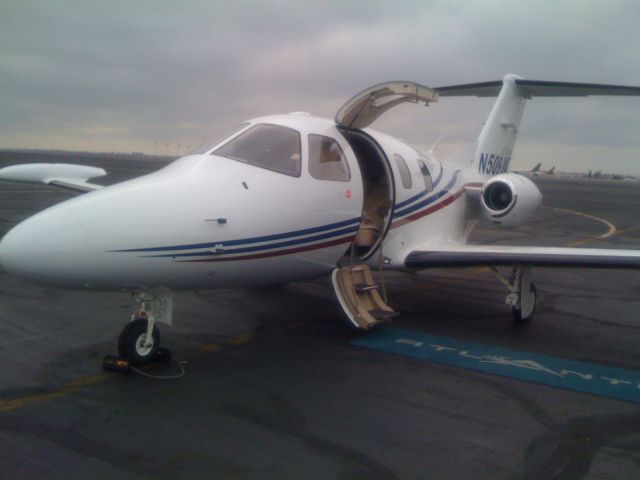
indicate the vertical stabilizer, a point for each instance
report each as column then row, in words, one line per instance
column 496, row 141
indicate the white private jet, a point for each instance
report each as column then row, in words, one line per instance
column 287, row 197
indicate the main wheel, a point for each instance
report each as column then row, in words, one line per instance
column 517, row 313
column 132, row 342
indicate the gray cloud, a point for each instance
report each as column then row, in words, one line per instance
column 124, row 75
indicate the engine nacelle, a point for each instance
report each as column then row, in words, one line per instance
column 509, row 199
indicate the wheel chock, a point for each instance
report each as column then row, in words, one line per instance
column 112, row 363
column 162, row 355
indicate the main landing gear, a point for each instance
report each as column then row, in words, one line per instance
column 139, row 341
column 522, row 293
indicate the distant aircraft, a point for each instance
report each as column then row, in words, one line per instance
column 533, row 171
column 288, row 197
column 543, row 172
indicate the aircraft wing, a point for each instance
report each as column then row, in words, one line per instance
column 537, row 88
column 498, row 255
column 64, row 175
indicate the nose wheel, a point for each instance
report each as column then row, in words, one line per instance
column 138, row 344
column 139, row 341
column 135, row 345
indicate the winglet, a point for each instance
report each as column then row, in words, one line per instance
column 73, row 177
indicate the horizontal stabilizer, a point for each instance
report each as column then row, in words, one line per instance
column 496, row 256
column 64, row 175
column 537, row 88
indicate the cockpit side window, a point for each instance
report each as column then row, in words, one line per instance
column 273, row 147
column 327, row 160
column 405, row 174
column 426, row 175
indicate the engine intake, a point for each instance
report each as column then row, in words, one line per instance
column 509, row 199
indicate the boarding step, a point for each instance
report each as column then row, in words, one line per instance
column 383, row 315
column 359, row 298
column 365, row 287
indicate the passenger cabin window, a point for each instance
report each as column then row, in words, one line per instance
column 405, row 174
column 327, row 160
column 426, row 175
column 267, row 146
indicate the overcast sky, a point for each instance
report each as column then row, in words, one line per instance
column 135, row 75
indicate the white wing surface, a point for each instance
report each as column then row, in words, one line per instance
column 496, row 255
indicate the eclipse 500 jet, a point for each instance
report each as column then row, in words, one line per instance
column 287, row 197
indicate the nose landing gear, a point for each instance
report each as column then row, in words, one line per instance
column 139, row 341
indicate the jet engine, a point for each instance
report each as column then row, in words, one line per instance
column 509, row 199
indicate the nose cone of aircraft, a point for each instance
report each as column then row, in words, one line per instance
column 46, row 248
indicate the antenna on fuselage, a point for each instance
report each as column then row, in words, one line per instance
column 435, row 144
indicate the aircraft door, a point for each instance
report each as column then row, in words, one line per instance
column 335, row 182
column 378, row 192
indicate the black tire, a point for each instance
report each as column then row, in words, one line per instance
column 129, row 346
column 517, row 313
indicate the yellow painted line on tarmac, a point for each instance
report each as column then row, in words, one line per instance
column 609, row 233
column 233, row 342
column 16, row 403
column 213, row 347
column 84, row 381
column 240, row 339
column 627, row 230
column 26, row 400
column 69, row 387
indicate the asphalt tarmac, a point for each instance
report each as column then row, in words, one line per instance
column 274, row 388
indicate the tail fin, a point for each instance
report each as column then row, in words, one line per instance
column 496, row 141
column 550, row 171
column 536, row 168
column 491, row 154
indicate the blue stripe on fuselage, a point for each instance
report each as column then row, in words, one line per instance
column 412, row 199
column 245, row 241
column 423, row 193
column 257, row 248
column 429, row 200
column 437, row 180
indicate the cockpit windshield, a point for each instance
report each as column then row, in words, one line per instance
column 209, row 144
column 273, row 147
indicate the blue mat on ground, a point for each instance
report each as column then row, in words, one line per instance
column 585, row 377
